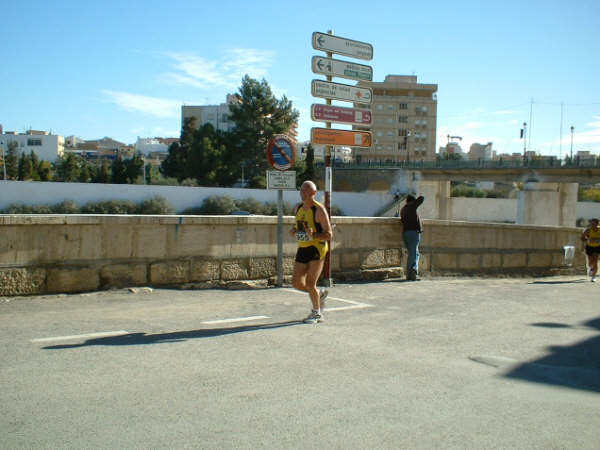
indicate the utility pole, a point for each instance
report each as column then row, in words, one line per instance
column 524, row 136
column 572, row 129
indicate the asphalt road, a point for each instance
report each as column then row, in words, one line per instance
column 446, row 363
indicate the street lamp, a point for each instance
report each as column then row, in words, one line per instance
column 572, row 128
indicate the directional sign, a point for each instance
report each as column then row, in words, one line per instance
column 327, row 113
column 343, row 69
column 335, row 44
column 344, row 92
column 351, row 138
column 281, row 152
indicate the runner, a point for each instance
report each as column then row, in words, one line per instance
column 312, row 231
column 591, row 237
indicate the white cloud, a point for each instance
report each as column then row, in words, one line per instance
column 158, row 107
column 226, row 71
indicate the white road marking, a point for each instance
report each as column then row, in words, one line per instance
column 356, row 305
column 237, row 319
column 82, row 336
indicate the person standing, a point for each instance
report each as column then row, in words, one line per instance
column 591, row 238
column 312, row 230
column 411, row 233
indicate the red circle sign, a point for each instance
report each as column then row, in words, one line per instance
column 281, row 152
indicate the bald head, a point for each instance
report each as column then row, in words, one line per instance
column 309, row 185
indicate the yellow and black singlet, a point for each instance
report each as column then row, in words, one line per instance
column 593, row 237
column 306, row 218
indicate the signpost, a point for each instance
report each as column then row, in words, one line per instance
column 281, row 154
column 336, row 91
column 337, row 114
column 343, row 69
column 342, row 46
column 350, row 138
column 344, row 92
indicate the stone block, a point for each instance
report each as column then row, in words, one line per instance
column 514, row 260
column 373, row 258
column 491, row 261
column 468, row 261
column 22, row 281
column 234, row 269
column 424, row 263
column 170, row 272
column 204, row 270
column 350, row 260
column 123, row 275
column 72, row 279
column 539, row 259
column 393, row 257
column 262, row 267
column 443, row 261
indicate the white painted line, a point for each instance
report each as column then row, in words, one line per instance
column 356, row 305
column 238, row 319
column 82, row 336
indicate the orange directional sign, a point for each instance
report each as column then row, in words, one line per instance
column 350, row 138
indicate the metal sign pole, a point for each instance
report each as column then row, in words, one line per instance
column 326, row 275
column 279, row 237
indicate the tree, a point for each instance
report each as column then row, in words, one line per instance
column 68, row 168
column 102, row 173
column 12, row 161
column 258, row 115
column 118, row 171
column 134, row 168
column 35, row 164
column 176, row 163
column 44, row 170
column 25, row 167
column 309, row 166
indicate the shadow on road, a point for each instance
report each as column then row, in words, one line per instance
column 581, row 280
column 176, row 336
column 575, row 366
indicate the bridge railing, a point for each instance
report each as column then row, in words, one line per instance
column 525, row 163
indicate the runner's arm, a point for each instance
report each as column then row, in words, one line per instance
column 322, row 218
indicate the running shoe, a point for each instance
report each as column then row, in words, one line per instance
column 323, row 293
column 314, row 317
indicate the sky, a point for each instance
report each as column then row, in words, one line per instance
column 123, row 69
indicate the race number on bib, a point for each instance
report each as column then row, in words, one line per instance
column 302, row 236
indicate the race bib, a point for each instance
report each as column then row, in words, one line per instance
column 302, row 236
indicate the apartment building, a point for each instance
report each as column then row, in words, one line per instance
column 404, row 120
column 46, row 146
column 218, row 116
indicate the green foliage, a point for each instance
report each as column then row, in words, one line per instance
column 16, row 208
column 251, row 205
column 258, row 115
column 467, row 191
column 66, row 207
column 156, row 206
column 118, row 171
column 12, row 161
column 588, row 195
column 110, row 207
column 270, row 209
column 215, row 205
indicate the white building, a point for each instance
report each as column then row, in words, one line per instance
column 146, row 146
column 481, row 152
column 46, row 146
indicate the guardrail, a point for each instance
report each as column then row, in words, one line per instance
column 526, row 163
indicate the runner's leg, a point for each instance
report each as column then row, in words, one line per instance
column 312, row 276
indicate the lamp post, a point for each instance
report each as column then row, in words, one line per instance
column 572, row 128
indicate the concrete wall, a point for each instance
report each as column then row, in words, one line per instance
column 64, row 253
column 180, row 197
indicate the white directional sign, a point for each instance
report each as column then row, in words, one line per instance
column 335, row 44
column 344, row 92
column 343, row 69
column 281, row 180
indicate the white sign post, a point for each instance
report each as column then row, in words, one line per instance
column 281, row 180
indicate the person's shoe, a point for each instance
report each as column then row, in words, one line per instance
column 314, row 317
column 591, row 273
column 593, row 279
column 323, row 293
column 412, row 275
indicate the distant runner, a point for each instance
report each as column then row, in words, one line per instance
column 312, row 231
column 591, row 238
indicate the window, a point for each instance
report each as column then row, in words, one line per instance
column 403, row 106
column 34, row 142
column 390, row 133
column 403, row 119
column 390, row 107
column 401, row 146
column 379, row 107
column 402, row 132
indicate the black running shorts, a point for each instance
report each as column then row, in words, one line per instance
column 589, row 250
column 306, row 254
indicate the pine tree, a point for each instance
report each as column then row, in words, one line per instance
column 12, row 161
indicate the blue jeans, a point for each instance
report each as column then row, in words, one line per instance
column 411, row 240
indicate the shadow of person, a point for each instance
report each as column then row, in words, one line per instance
column 169, row 338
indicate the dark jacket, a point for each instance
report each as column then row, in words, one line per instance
column 410, row 218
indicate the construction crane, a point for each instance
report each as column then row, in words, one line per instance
column 454, row 137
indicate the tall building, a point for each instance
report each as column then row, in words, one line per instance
column 481, row 151
column 216, row 115
column 404, row 120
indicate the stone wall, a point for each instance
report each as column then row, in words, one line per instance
column 75, row 253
